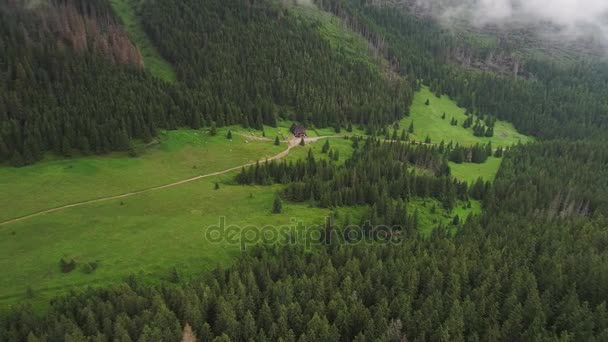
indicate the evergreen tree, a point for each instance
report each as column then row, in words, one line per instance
column 325, row 148
column 277, row 206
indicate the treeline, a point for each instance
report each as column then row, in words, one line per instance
column 376, row 174
column 558, row 101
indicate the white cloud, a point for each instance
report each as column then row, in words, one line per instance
column 568, row 18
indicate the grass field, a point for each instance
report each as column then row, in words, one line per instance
column 153, row 61
column 145, row 235
column 428, row 122
column 470, row 172
column 178, row 155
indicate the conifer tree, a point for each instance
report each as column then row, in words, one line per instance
column 277, row 206
column 325, row 148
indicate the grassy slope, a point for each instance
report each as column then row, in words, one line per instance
column 152, row 59
column 427, row 121
column 470, row 172
column 146, row 235
column 51, row 184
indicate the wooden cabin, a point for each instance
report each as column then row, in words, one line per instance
column 298, row 131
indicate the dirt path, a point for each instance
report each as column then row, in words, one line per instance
column 293, row 142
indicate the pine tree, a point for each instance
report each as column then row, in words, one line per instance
column 277, row 142
column 277, row 206
column 443, row 116
column 216, row 186
column 213, row 130
column 229, row 135
column 411, row 128
column 302, row 142
column 428, row 102
column 325, row 148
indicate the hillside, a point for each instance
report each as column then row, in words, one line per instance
column 152, row 189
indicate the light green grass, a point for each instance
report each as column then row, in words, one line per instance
column 145, row 235
column 180, row 155
column 153, row 61
column 428, row 122
column 470, row 172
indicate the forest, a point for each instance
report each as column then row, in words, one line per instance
column 532, row 266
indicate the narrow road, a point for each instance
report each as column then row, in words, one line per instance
column 293, row 142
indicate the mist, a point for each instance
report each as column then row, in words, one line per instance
column 564, row 19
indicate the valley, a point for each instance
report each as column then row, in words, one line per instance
column 295, row 170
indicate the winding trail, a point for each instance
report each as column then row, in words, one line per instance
column 293, row 142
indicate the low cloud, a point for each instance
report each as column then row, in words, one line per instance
column 568, row 19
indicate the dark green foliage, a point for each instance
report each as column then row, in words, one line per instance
column 89, row 267
column 277, row 205
column 477, row 154
column 229, row 135
column 277, row 142
column 261, row 58
column 213, row 129
column 377, row 172
column 67, row 266
column 216, row 186
column 325, row 147
column 411, row 128
column 302, row 142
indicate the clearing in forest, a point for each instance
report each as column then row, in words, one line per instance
column 428, row 121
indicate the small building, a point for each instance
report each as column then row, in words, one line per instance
column 298, row 131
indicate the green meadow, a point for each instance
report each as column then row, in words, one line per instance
column 177, row 155
column 144, row 235
column 428, row 122
column 470, row 172
column 153, row 61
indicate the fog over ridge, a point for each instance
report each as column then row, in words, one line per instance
column 568, row 19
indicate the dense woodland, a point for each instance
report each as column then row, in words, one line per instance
column 556, row 100
column 532, row 266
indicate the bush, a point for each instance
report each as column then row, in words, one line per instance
column 89, row 267
column 67, row 266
